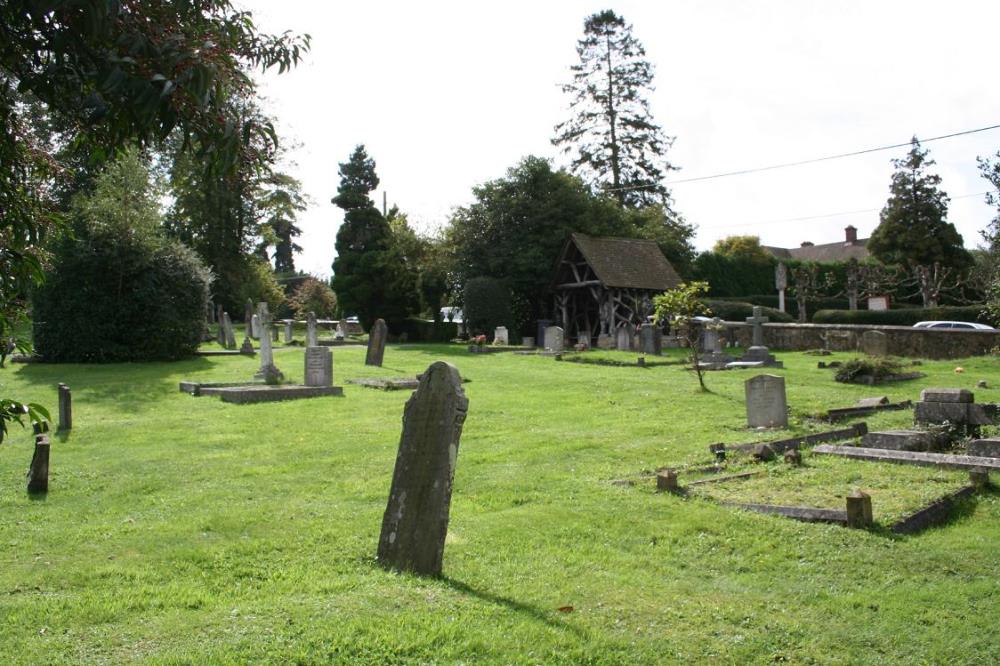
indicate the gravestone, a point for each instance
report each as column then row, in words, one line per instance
column 650, row 339
column 376, row 343
column 553, row 339
column 248, row 316
column 38, row 472
column 757, row 322
column 221, row 337
column 255, row 327
column 527, row 341
column 65, row 408
column 758, row 353
column 766, row 403
column 274, row 332
column 715, row 358
column 710, row 339
column 268, row 371
column 415, row 523
column 605, row 341
column 289, row 333
column 875, row 343
column 319, row 366
column 341, row 331
column 230, row 334
column 218, row 313
column 500, row 336
column 985, row 448
column 311, row 337
column 623, row 339
column 540, row 331
column 781, row 283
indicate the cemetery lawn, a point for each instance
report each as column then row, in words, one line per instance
column 182, row 530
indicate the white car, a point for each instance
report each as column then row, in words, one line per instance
column 954, row 325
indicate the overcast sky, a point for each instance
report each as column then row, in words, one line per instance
column 447, row 95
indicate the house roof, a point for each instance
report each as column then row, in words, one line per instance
column 828, row 252
column 627, row 263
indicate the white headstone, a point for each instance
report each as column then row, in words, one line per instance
column 766, row 403
column 500, row 336
column 554, row 338
column 255, row 327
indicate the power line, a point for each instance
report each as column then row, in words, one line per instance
column 820, row 217
column 814, row 160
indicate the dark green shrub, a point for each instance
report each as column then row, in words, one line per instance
column 872, row 366
column 421, row 330
column 110, row 298
column 903, row 317
column 733, row 276
column 738, row 311
column 486, row 305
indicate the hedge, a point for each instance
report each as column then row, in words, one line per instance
column 907, row 317
column 421, row 330
column 739, row 310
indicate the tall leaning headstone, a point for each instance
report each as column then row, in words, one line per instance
column 268, row 371
column 376, row 343
column 767, row 406
column 227, row 327
column 38, row 473
column 415, row 522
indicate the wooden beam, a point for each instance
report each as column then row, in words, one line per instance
column 577, row 285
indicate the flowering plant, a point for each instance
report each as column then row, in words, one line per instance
column 479, row 340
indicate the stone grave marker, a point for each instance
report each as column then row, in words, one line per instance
column 65, row 408
column 38, row 473
column 986, row 448
column 623, row 339
column 875, row 343
column 605, row 341
column 289, row 333
column 274, row 332
column 255, row 327
column 312, row 339
column 230, row 334
column 221, row 337
column 650, row 339
column 268, row 371
column 415, row 523
column 500, row 336
column 710, row 340
column 766, row 403
column 248, row 317
column 758, row 353
column 341, row 331
column 319, row 366
column 553, row 339
column 376, row 343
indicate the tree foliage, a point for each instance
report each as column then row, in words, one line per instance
column 615, row 143
column 679, row 306
column 486, row 305
column 313, row 295
column 743, row 247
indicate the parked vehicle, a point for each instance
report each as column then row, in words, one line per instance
column 954, row 325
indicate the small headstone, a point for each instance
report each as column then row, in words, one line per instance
column 289, row 333
column 541, row 325
column 641, row 361
column 341, row 332
column 875, row 343
column 766, row 403
column 793, row 457
column 65, row 408
column 247, row 347
column 527, row 341
column 650, row 339
column 319, row 366
column 274, row 332
column 415, row 523
column 900, row 440
column 623, row 339
column 255, row 327
column 947, row 395
column 38, row 473
column 312, row 340
column 763, row 453
column 227, row 327
column 859, row 509
column 605, row 341
column 500, row 336
column 710, row 339
column 376, row 343
column 666, row 481
column 554, row 338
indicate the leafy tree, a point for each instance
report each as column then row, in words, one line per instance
column 743, row 247
column 369, row 276
column 674, row 236
column 423, row 258
column 913, row 230
column 679, row 306
column 281, row 203
column 487, row 305
column 614, row 141
column 990, row 170
column 312, row 295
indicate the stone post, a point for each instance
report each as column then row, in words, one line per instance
column 289, row 336
column 65, row 408
column 415, row 523
column 859, row 509
column 666, row 481
column 38, row 473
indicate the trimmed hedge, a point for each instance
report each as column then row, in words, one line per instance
column 906, row 317
column 739, row 310
column 421, row 330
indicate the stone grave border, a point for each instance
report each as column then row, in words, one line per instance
column 386, row 383
column 844, row 413
column 577, row 357
column 781, row 445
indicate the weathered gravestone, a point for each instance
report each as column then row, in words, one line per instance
column 218, row 315
column 312, row 340
column 710, row 339
column 319, row 366
column 227, row 329
column 268, row 371
column 255, row 327
column 758, row 353
column 766, row 403
column 623, row 339
column 541, row 325
column 415, row 523
column 875, row 343
column 248, row 317
column 289, row 333
column 221, row 337
column 605, row 341
column 341, row 331
column 650, row 339
column 65, row 408
column 376, row 343
column 553, row 339
column 274, row 331
column 500, row 336
column 38, row 473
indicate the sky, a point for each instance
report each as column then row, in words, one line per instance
column 448, row 95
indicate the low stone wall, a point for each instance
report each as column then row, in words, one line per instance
column 902, row 340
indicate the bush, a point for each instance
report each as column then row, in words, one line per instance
column 792, row 306
column 875, row 367
column 109, row 299
column 313, row 295
column 421, row 330
column 903, row 317
column 738, row 311
column 734, row 276
column 486, row 305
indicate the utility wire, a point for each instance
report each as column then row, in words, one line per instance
column 801, row 162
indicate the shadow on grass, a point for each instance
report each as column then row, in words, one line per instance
column 516, row 606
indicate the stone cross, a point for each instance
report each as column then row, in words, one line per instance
column 230, row 334
column 311, row 339
column 319, row 366
column 757, row 321
column 38, row 473
column 376, row 343
column 767, row 406
column 65, row 408
column 268, row 371
column 553, row 339
column 415, row 523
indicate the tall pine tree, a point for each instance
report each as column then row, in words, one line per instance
column 614, row 141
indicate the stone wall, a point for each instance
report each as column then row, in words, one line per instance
column 902, row 340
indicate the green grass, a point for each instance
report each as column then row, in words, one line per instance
column 186, row 530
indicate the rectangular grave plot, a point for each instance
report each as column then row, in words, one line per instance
column 805, row 514
column 251, row 394
column 936, row 513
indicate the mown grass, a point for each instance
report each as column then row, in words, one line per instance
column 186, row 530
